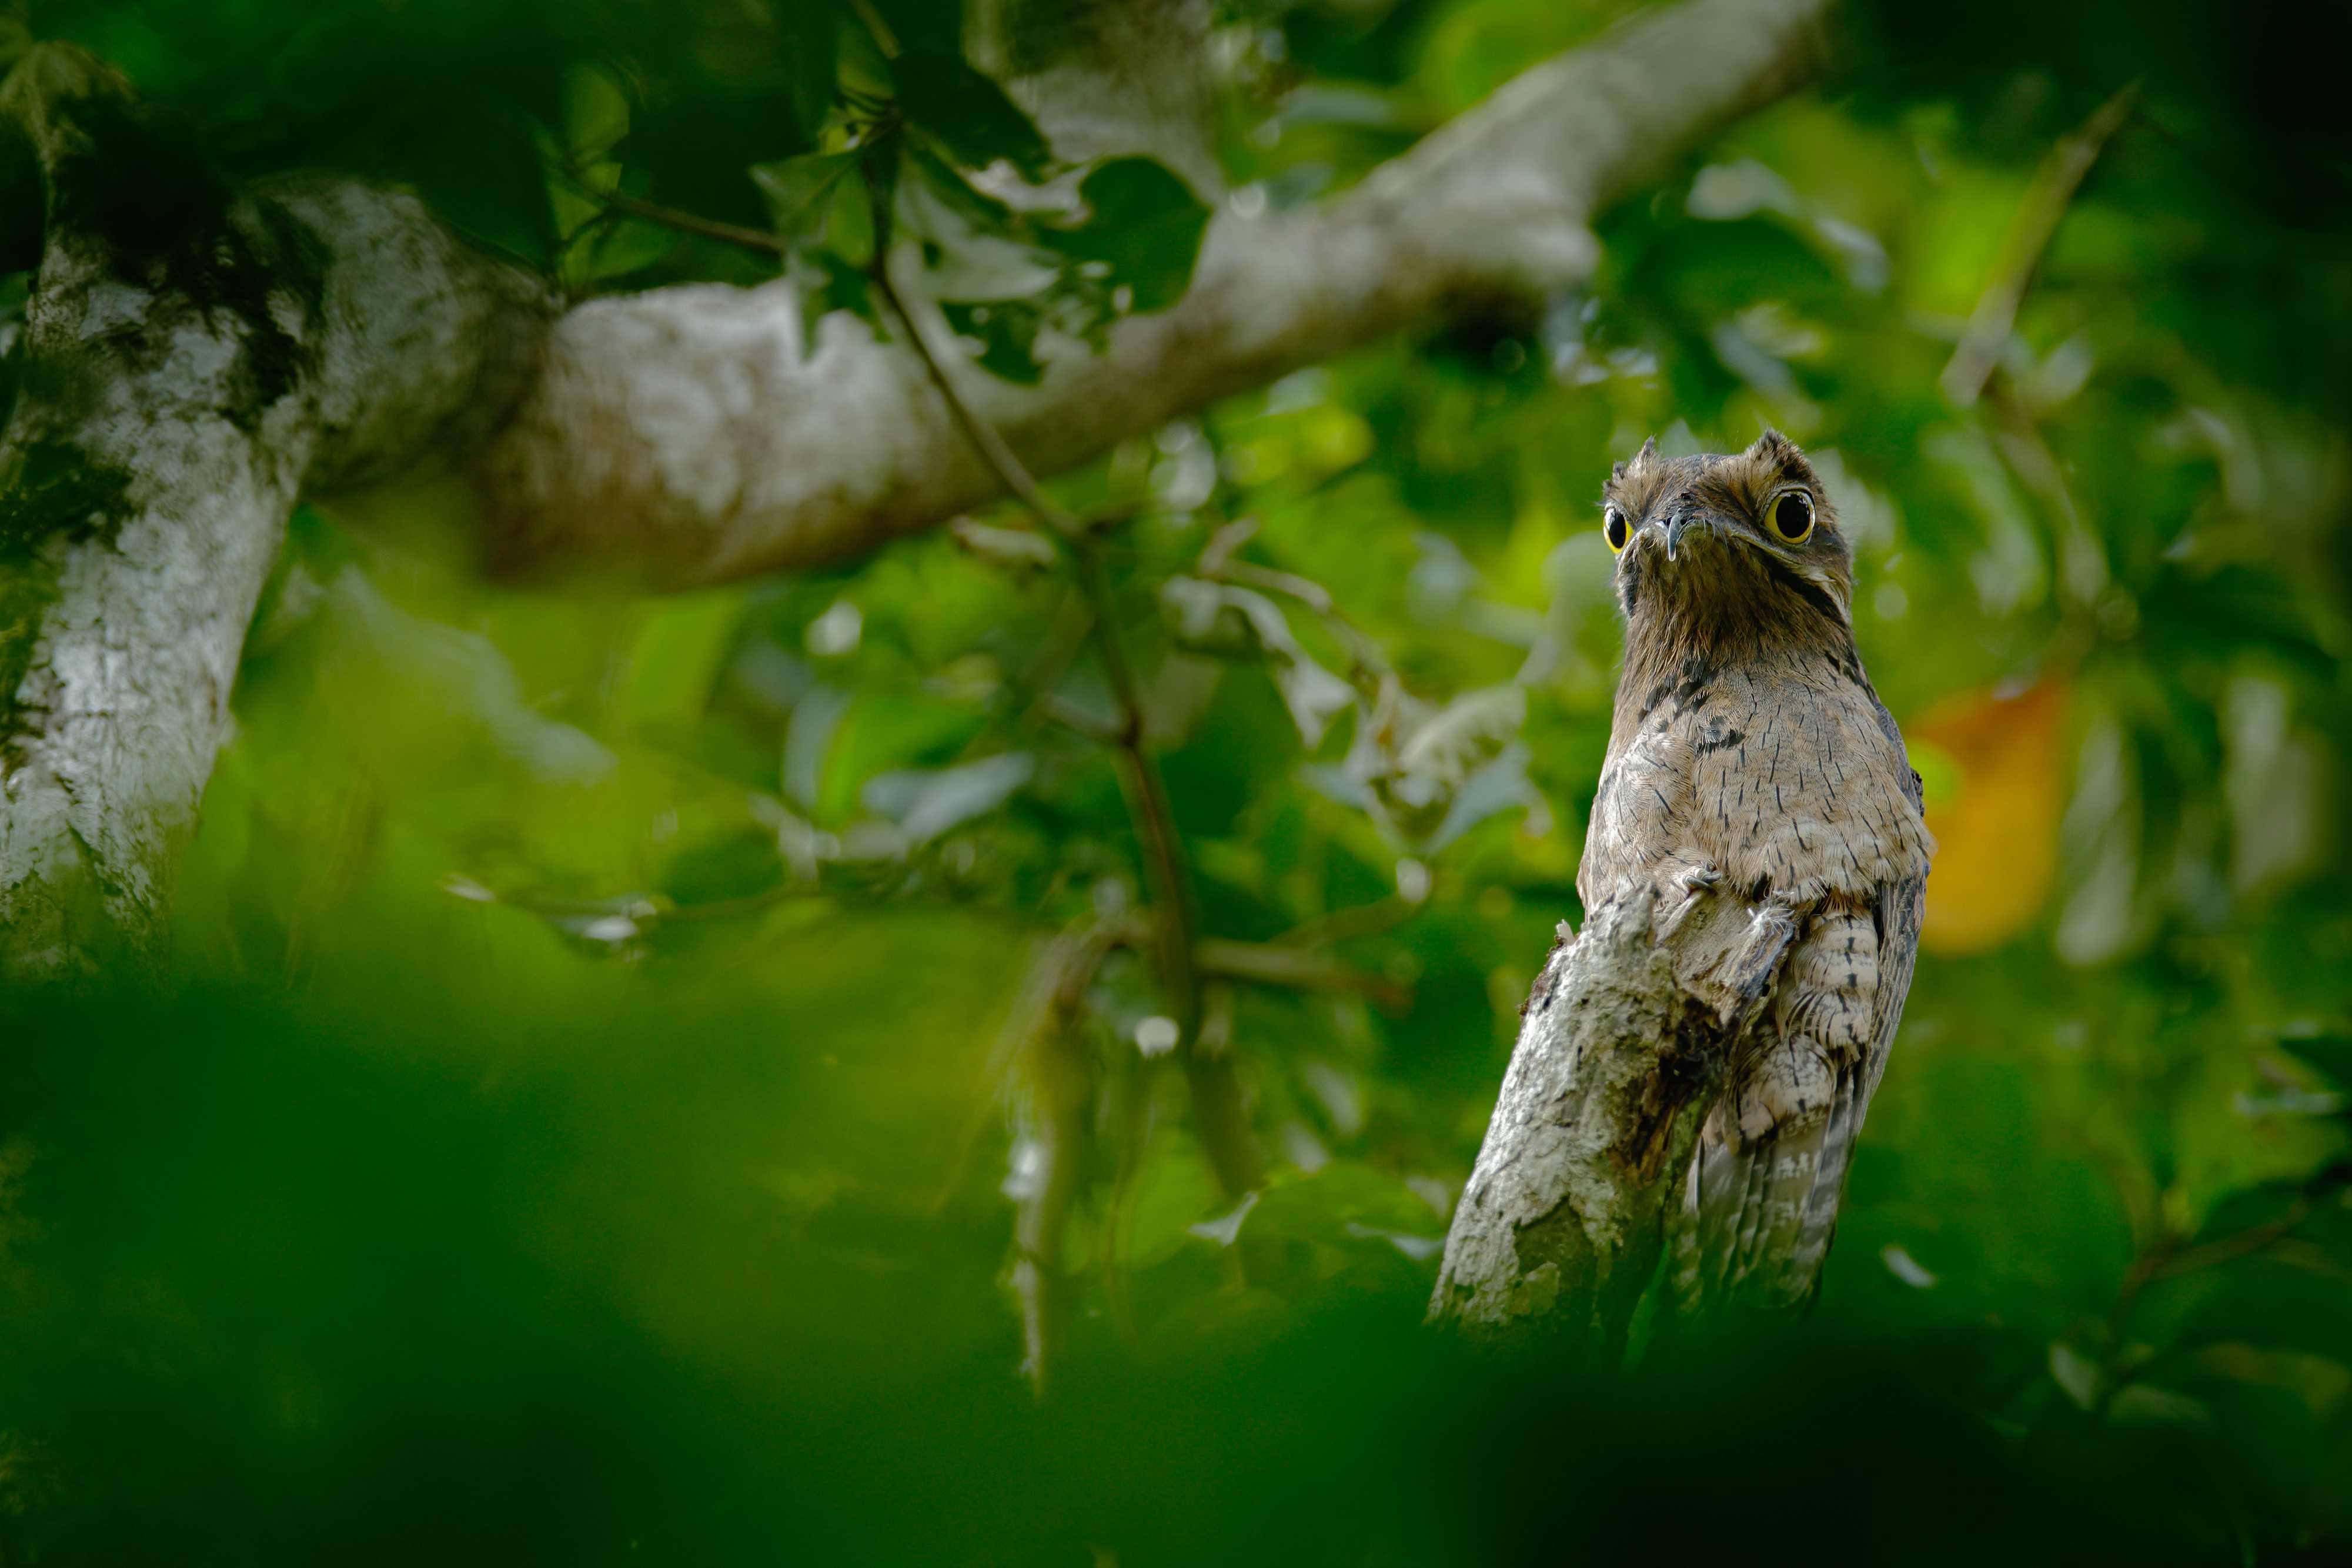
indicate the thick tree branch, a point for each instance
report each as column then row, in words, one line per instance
column 192, row 360
column 1561, row 1226
column 688, row 436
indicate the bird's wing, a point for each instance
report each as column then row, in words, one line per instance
column 1901, row 905
column 1772, row 1156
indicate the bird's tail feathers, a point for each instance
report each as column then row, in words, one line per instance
column 1759, row 1212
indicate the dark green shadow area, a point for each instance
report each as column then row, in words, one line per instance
column 280, row 1289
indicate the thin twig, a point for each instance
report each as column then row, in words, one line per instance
column 1073, row 718
column 1222, row 1121
column 2082, row 563
column 1074, row 620
column 994, row 1073
column 1224, row 542
column 884, row 40
column 1046, row 1030
column 2022, row 249
column 687, row 223
column 2168, row 1262
column 1009, row 468
column 2232, row 1247
column 1342, row 925
column 1306, row 590
column 1129, row 1110
column 1294, row 967
column 1217, row 563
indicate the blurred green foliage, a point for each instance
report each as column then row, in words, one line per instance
column 590, row 1129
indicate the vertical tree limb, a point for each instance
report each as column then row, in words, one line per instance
column 1564, row 1220
column 192, row 357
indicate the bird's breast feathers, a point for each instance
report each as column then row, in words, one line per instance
column 1785, row 780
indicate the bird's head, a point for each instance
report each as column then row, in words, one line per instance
column 1725, row 547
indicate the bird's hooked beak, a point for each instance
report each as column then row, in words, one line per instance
column 1677, row 523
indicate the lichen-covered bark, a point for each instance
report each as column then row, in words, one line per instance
column 1561, row 1226
column 187, row 371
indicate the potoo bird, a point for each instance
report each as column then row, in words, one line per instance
column 1749, row 759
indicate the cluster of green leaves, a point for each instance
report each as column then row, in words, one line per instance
column 659, row 951
column 532, row 126
column 1122, row 239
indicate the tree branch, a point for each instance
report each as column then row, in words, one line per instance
column 1290, row 966
column 191, row 361
column 1561, row 1226
column 688, row 436
column 2021, row 249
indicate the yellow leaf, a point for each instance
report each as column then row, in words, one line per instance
column 1995, row 791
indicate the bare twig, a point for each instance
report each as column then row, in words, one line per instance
column 2170, row 1260
column 1074, row 620
column 1225, row 541
column 1217, row 563
column 992, row 1078
column 991, row 445
column 1267, row 965
column 2081, row 575
column 1043, row 1032
column 2045, row 203
column 1342, row 925
column 1221, row 1121
column 884, row 40
column 1219, row 1116
column 685, row 222
column 1306, row 590
column 1073, row 718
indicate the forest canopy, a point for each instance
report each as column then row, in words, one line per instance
column 662, row 1058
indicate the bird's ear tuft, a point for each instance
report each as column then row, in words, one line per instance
column 1647, row 455
column 1774, row 451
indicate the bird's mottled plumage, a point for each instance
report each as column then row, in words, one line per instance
column 1749, row 755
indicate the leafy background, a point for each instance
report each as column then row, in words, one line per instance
column 590, row 1122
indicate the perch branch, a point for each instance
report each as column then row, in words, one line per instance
column 1563, row 1222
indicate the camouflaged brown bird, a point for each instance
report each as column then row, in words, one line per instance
column 1751, row 764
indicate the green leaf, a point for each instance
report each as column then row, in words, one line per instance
column 849, row 225
column 826, row 284
column 1008, row 333
column 620, row 248
column 1146, row 223
column 1345, row 1193
column 796, row 188
column 676, row 655
column 809, row 36
column 596, row 113
column 967, row 114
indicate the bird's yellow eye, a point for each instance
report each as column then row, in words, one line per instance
column 1614, row 528
column 1792, row 517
